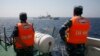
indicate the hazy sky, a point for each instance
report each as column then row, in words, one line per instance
column 35, row 8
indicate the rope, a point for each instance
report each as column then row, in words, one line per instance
column 49, row 46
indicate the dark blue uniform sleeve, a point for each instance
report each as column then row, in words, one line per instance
column 63, row 29
column 15, row 32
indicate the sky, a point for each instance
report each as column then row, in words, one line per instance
column 56, row 8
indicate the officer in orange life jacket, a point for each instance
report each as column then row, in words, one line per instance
column 74, row 33
column 23, row 37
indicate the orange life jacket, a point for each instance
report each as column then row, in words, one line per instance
column 25, row 35
column 78, row 32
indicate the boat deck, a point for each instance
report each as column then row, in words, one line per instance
column 10, row 51
column 58, row 50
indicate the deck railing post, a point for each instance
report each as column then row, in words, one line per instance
column 0, row 40
column 53, row 31
column 5, row 38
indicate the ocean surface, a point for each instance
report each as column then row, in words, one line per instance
column 46, row 25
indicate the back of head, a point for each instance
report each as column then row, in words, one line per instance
column 78, row 10
column 23, row 17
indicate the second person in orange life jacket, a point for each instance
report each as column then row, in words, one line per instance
column 23, row 37
column 74, row 33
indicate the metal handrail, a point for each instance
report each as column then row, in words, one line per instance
column 5, row 40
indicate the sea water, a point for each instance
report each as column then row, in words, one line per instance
column 46, row 24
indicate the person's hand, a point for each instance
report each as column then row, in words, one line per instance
column 9, row 44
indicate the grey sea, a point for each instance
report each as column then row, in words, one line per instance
column 48, row 26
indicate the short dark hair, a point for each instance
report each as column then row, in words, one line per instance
column 23, row 16
column 78, row 10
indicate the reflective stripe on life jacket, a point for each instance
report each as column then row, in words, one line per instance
column 78, row 32
column 25, row 35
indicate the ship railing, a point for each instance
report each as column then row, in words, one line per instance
column 4, row 39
